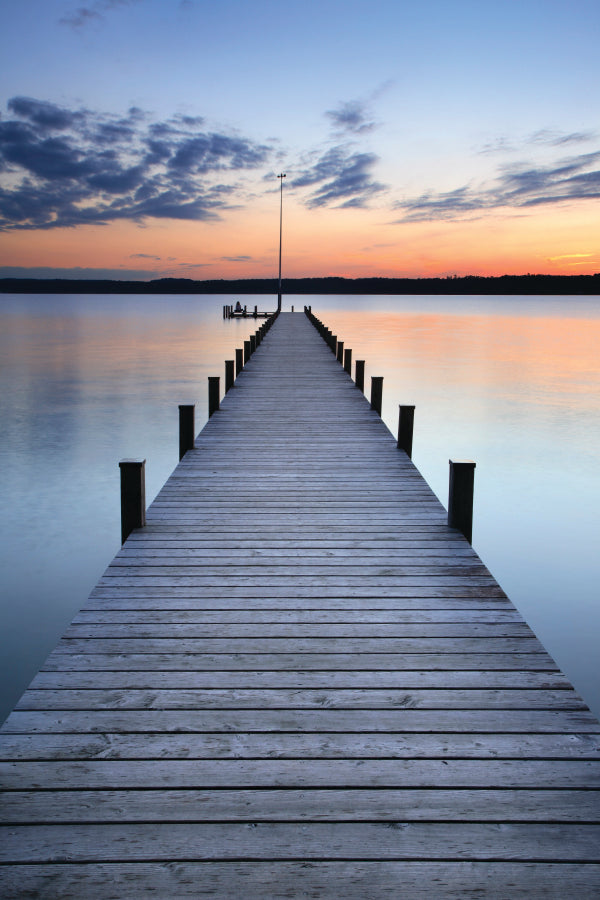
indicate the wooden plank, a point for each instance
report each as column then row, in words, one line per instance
column 298, row 680
column 301, row 773
column 280, row 662
column 355, row 880
column 306, row 745
column 315, row 805
column 318, row 840
column 284, row 698
column 315, row 720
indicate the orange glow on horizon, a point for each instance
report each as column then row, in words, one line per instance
column 350, row 243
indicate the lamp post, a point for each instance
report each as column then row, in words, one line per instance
column 281, row 177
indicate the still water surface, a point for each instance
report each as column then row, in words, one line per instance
column 511, row 382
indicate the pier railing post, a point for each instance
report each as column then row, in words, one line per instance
column 186, row 428
column 133, row 495
column 460, row 496
column 360, row 374
column 213, row 394
column 376, row 392
column 252, row 343
column 247, row 351
column 406, row 421
column 239, row 360
column 340, row 352
column 229, row 376
column 348, row 361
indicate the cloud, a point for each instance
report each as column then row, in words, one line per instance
column 543, row 137
column 94, row 12
column 340, row 176
column 569, row 256
column 518, row 186
column 352, row 117
column 62, row 167
column 143, row 256
column 240, row 258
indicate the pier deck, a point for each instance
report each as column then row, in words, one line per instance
column 297, row 681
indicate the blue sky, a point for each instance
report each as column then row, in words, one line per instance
column 437, row 137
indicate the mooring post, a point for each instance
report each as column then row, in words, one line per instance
column 213, row 394
column 247, row 351
column 239, row 361
column 460, row 496
column 333, row 343
column 406, row 420
column 186, row 428
column 229, row 376
column 348, row 361
column 252, row 343
column 360, row 374
column 133, row 495
column 376, row 392
column 340, row 352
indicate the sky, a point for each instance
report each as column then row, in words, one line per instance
column 143, row 138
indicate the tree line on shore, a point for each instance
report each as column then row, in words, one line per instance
column 469, row 284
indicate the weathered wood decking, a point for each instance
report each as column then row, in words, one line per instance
column 297, row 681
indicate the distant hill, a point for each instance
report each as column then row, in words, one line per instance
column 470, row 284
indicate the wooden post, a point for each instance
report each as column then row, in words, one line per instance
column 348, row 361
column 213, row 394
column 340, row 352
column 252, row 343
column 460, row 496
column 406, row 420
column 229, row 376
column 333, row 342
column 255, row 311
column 239, row 361
column 186, row 428
column 360, row 374
column 247, row 351
column 133, row 495
column 376, row 392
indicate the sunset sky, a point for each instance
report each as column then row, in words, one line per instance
column 143, row 138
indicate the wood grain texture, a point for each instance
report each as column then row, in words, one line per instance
column 297, row 681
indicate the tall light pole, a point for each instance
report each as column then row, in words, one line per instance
column 281, row 177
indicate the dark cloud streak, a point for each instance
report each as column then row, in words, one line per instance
column 516, row 187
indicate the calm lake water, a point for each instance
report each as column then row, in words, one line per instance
column 511, row 382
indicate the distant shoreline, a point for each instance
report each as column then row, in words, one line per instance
column 470, row 284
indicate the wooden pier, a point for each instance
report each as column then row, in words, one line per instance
column 298, row 681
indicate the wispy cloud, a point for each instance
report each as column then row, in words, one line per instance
column 61, row 167
column 352, row 116
column 518, row 186
column 93, row 12
column 339, row 176
column 542, row 137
